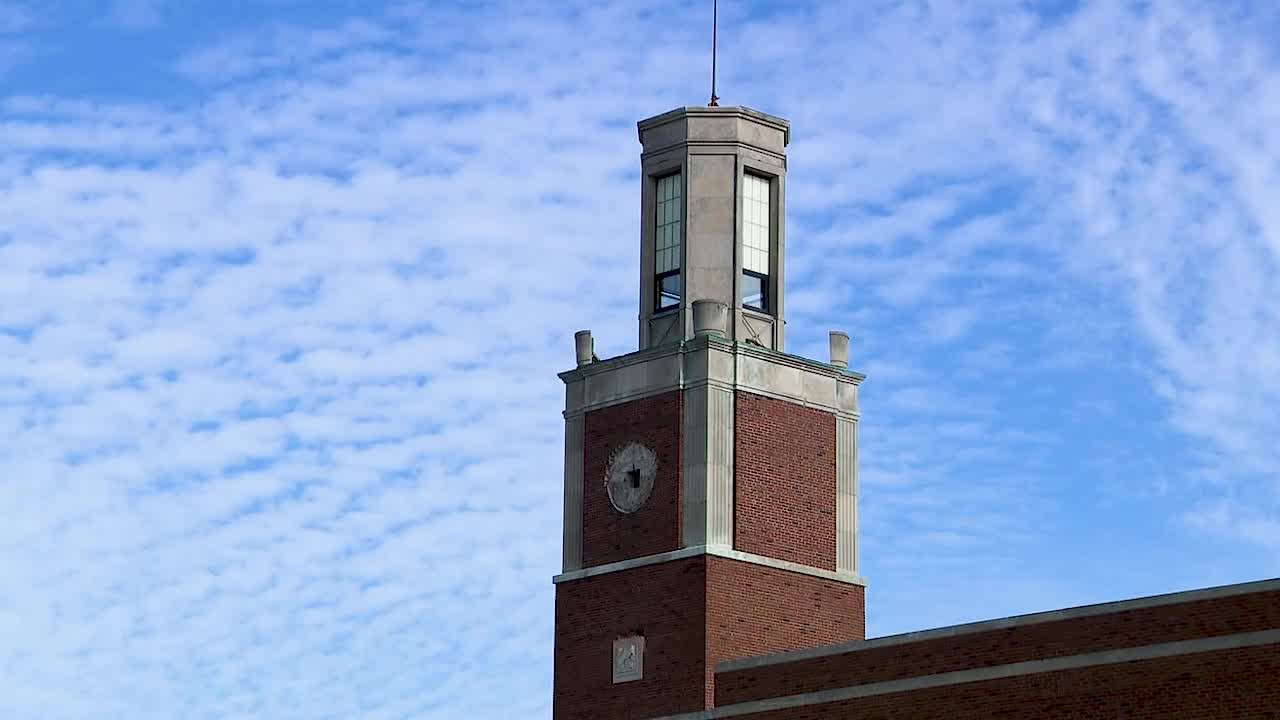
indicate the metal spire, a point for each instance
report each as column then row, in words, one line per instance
column 714, row 13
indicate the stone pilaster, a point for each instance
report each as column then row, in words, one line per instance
column 573, row 436
column 846, row 494
column 708, row 466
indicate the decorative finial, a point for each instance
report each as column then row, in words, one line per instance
column 714, row 13
column 585, row 347
column 839, row 349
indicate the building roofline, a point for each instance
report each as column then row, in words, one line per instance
column 1238, row 641
column 1185, row 596
column 740, row 110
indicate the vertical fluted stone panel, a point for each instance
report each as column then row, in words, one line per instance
column 693, row 526
column 719, row 466
column 573, row 432
column 846, row 495
column 708, row 467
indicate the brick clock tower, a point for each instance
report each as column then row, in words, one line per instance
column 710, row 492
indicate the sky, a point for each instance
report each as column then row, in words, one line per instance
column 285, row 286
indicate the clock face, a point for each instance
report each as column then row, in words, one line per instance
column 629, row 477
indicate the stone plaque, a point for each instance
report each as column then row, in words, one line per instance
column 628, row 659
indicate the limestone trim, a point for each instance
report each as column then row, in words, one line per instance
column 573, row 458
column 1083, row 611
column 739, row 111
column 800, row 362
column 846, row 495
column 698, row 147
column 709, row 360
column 996, row 672
column 708, row 466
column 724, row 552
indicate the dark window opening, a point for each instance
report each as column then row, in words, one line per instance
column 668, row 290
column 755, row 291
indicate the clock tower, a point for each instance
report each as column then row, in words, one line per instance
column 710, row 488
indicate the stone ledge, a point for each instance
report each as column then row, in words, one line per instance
column 714, row 550
column 713, row 360
column 740, row 111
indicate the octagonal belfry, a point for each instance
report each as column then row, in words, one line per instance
column 714, row 181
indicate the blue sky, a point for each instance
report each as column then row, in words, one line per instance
column 284, row 287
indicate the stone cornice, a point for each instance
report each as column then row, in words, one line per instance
column 706, row 146
column 717, row 551
column 773, row 121
column 711, row 360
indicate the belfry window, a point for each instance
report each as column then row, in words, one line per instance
column 756, row 211
column 667, row 286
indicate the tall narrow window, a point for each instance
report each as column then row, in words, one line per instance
column 755, row 242
column 667, row 243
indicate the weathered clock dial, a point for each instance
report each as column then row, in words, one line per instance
column 629, row 477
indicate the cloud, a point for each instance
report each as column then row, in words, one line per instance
column 279, row 358
column 952, row 323
column 136, row 15
column 14, row 18
column 1235, row 520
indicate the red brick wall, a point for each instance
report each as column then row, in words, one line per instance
column 693, row 614
column 754, row 610
column 608, row 535
column 1131, row 628
column 1205, row 686
column 785, row 481
column 664, row 602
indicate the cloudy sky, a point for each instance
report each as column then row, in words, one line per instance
column 284, row 287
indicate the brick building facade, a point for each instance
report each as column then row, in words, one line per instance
column 710, row 562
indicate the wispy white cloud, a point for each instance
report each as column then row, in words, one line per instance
column 279, row 361
column 14, row 18
column 135, row 15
